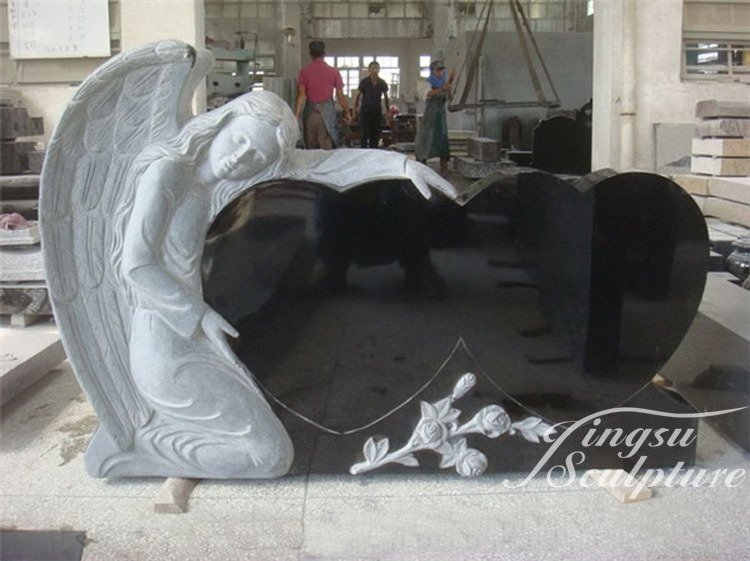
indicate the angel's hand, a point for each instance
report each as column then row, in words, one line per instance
column 216, row 328
column 425, row 177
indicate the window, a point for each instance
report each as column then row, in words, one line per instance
column 354, row 68
column 424, row 66
column 716, row 40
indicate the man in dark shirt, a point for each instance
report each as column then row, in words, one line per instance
column 370, row 113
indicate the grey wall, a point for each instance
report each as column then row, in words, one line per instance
column 569, row 59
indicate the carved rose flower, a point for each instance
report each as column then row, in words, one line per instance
column 492, row 421
column 430, row 432
column 471, row 463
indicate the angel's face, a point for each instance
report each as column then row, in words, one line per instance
column 242, row 149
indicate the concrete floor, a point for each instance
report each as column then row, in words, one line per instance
column 374, row 517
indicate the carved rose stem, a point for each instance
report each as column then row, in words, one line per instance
column 438, row 431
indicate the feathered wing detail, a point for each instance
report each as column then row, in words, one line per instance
column 136, row 98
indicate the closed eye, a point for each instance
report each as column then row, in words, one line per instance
column 239, row 139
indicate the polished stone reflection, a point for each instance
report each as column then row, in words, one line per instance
column 567, row 299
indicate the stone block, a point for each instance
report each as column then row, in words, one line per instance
column 712, row 108
column 21, row 264
column 722, row 147
column 728, row 211
column 36, row 159
column 12, row 161
column 474, row 169
column 724, row 128
column 483, row 149
column 13, row 122
column 700, row 201
column 693, row 184
column 28, row 355
column 735, row 189
column 19, row 187
column 27, row 236
column 720, row 166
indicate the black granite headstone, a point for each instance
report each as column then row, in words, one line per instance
column 564, row 299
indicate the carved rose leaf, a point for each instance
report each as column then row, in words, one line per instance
column 382, row 449
column 429, row 411
column 531, row 428
column 450, row 456
column 443, row 406
column 370, row 450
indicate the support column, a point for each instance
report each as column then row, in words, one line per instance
column 613, row 121
column 290, row 41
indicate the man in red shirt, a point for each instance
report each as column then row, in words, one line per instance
column 315, row 86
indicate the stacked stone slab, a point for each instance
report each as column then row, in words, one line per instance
column 720, row 162
column 18, row 156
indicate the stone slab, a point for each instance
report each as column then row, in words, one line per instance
column 735, row 189
column 728, row 211
column 712, row 108
column 483, row 149
column 474, row 169
column 692, row 183
column 700, row 200
column 723, row 128
column 720, row 166
column 27, row 236
column 723, row 147
column 21, row 264
column 26, row 355
column 36, row 159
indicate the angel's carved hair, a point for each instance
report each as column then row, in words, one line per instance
column 191, row 142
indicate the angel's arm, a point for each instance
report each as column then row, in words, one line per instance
column 143, row 252
column 345, row 169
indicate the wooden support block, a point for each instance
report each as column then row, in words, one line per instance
column 174, row 495
column 723, row 147
column 621, row 485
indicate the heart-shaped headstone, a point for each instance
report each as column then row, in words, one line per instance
column 569, row 295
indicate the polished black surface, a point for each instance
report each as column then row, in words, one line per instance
column 565, row 298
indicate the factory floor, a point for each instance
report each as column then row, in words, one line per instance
column 44, row 486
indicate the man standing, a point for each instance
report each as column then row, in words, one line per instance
column 370, row 91
column 315, row 86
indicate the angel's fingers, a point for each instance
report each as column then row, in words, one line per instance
column 421, row 186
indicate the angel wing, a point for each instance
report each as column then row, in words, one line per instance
column 136, row 98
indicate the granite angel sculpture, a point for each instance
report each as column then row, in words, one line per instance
column 130, row 187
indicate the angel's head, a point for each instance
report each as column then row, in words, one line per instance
column 250, row 136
